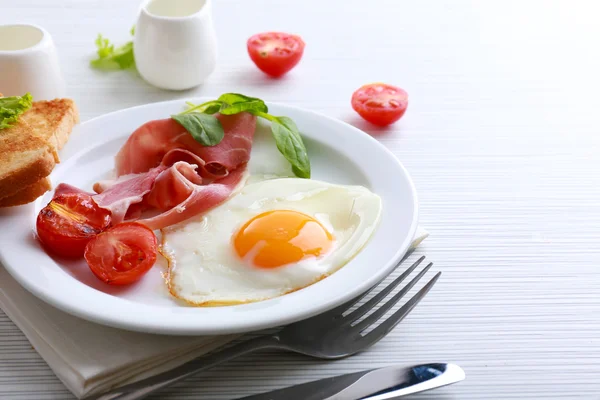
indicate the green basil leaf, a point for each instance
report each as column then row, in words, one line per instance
column 212, row 108
column 234, row 103
column 232, row 98
column 204, row 128
column 252, row 107
column 290, row 144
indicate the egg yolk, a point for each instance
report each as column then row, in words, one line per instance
column 280, row 237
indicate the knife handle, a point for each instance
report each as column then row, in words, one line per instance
column 418, row 379
column 377, row 384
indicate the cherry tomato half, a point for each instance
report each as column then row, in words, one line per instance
column 69, row 222
column 122, row 254
column 380, row 104
column 275, row 53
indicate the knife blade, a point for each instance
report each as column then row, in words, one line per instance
column 376, row 384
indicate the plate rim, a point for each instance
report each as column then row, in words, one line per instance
column 72, row 308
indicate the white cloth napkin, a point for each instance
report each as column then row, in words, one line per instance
column 90, row 358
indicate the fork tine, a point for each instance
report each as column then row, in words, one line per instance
column 339, row 310
column 376, row 334
column 362, row 310
column 380, row 312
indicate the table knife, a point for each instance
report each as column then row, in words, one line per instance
column 376, row 384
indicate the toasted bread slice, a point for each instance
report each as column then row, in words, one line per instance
column 27, row 194
column 26, row 158
column 29, row 149
column 53, row 120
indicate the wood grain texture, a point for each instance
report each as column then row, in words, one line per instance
column 501, row 137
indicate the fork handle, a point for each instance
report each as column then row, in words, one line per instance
column 141, row 389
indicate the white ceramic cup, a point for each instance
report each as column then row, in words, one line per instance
column 28, row 63
column 175, row 45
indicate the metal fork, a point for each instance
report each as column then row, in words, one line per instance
column 334, row 334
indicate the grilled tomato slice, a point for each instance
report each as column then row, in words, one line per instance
column 122, row 254
column 69, row 222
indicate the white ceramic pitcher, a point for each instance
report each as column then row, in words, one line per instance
column 175, row 45
column 28, row 63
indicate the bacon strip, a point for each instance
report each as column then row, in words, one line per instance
column 200, row 198
column 147, row 146
column 126, row 191
column 173, row 186
column 161, row 166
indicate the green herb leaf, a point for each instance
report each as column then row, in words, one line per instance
column 234, row 103
column 290, row 144
column 204, row 128
column 210, row 107
column 233, row 98
column 111, row 58
column 229, row 104
column 12, row 107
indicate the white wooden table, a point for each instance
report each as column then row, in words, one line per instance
column 502, row 139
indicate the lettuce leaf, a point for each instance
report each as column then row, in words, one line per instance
column 111, row 57
column 12, row 107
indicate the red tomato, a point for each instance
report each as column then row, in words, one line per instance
column 380, row 104
column 122, row 254
column 275, row 53
column 69, row 222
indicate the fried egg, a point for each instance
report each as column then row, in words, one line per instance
column 272, row 238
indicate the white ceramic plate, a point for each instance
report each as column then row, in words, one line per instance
column 339, row 153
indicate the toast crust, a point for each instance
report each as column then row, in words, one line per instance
column 24, row 159
column 27, row 194
column 29, row 149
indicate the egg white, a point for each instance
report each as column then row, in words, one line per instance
column 205, row 270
